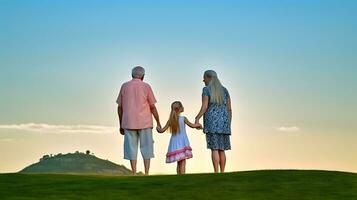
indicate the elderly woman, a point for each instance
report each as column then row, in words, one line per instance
column 217, row 112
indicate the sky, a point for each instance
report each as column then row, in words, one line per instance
column 290, row 67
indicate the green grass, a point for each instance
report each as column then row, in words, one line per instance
column 265, row 185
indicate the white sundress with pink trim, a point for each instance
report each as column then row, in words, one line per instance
column 179, row 147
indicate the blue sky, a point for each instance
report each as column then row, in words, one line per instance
column 286, row 63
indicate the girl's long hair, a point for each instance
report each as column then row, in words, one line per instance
column 174, row 117
column 216, row 88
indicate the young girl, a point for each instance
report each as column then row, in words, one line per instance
column 179, row 148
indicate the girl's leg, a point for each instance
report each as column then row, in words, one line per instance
column 178, row 168
column 215, row 160
column 183, row 166
column 222, row 160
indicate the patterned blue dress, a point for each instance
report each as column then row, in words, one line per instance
column 217, row 124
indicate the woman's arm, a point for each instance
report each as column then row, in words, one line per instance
column 203, row 109
column 191, row 124
column 162, row 130
column 229, row 108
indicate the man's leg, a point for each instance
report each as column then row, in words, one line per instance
column 147, row 167
column 131, row 140
column 133, row 166
column 146, row 147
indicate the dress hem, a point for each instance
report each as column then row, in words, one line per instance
column 178, row 151
column 217, row 133
column 179, row 155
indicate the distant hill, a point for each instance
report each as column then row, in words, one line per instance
column 76, row 163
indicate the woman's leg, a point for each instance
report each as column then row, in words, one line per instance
column 215, row 160
column 222, row 160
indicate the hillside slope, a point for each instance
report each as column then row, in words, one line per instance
column 254, row 185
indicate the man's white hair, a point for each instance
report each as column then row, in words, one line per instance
column 138, row 72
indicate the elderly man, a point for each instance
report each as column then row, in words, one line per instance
column 136, row 105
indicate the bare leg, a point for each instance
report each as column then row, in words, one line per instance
column 133, row 166
column 222, row 160
column 147, row 167
column 215, row 160
column 183, row 166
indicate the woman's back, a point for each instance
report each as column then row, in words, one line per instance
column 216, row 118
column 207, row 92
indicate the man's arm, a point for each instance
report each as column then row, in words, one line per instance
column 151, row 100
column 120, row 109
column 155, row 114
column 120, row 115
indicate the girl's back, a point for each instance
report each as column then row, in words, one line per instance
column 180, row 138
column 179, row 147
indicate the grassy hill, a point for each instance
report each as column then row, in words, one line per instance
column 255, row 185
column 76, row 163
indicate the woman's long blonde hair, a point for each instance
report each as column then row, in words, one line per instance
column 215, row 86
column 174, row 117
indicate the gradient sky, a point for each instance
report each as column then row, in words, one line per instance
column 290, row 66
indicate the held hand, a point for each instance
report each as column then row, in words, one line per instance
column 197, row 121
column 158, row 124
column 159, row 129
column 199, row 126
column 121, row 131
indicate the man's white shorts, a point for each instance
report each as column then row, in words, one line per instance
column 131, row 142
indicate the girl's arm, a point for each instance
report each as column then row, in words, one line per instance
column 203, row 109
column 191, row 124
column 162, row 130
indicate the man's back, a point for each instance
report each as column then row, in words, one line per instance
column 135, row 98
